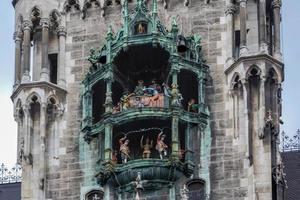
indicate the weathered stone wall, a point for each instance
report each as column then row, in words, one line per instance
column 71, row 174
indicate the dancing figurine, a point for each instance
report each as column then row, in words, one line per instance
column 146, row 147
column 161, row 146
column 124, row 149
column 139, row 89
column 192, row 106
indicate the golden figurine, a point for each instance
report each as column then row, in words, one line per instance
column 146, row 147
column 141, row 29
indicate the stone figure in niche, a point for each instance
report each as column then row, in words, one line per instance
column 161, row 146
column 140, row 88
column 124, row 149
column 192, row 106
column 146, row 147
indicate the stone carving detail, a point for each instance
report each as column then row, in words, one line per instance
column 71, row 5
column 13, row 175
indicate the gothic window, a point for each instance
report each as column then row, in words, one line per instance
column 94, row 195
column 237, row 43
column 53, row 67
column 196, row 189
column 237, row 105
column 188, row 84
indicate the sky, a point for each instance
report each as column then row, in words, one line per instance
column 291, row 86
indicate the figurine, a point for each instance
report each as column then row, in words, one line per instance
column 147, row 147
column 141, row 29
column 117, row 108
column 192, row 106
column 125, row 101
column 161, row 147
column 166, row 89
column 114, row 157
column 138, row 102
column 155, row 86
column 124, row 149
column 176, row 96
column 139, row 89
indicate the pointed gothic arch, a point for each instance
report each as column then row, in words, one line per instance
column 35, row 16
column 55, row 18
column 69, row 4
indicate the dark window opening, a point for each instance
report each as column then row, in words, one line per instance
column 99, row 91
column 188, row 87
column 95, row 194
column 53, row 68
column 196, row 189
column 237, row 43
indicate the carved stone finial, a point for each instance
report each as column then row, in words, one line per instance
column 61, row 31
column 276, row 4
column 27, row 25
column 230, row 9
column 45, row 22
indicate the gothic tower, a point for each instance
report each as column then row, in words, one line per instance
column 147, row 99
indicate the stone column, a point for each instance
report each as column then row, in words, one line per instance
column 108, row 141
column 27, row 27
column 262, row 108
column 230, row 32
column 201, row 92
column 45, row 42
column 18, row 46
column 108, row 99
column 175, row 133
column 188, row 145
column 262, row 27
column 42, row 160
column 26, row 132
column 276, row 4
column 61, row 32
column 243, row 27
column 248, row 154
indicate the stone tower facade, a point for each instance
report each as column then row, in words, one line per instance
column 147, row 99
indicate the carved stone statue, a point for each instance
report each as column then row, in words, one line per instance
column 93, row 57
column 161, row 146
column 146, row 147
column 124, row 149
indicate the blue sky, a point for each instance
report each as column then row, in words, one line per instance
column 291, row 86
